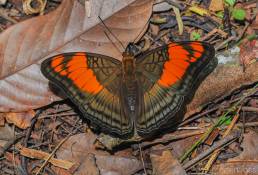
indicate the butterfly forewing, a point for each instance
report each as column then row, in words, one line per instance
column 169, row 76
column 92, row 82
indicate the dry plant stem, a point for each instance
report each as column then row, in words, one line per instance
column 225, row 141
column 249, row 124
column 179, row 20
column 221, row 45
column 214, row 31
column 10, row 143
column 59, row 115
column 200, row 141
column 232, row 38
column 190, row 119
column 249, row 109
column 143, row 164
column 169, row 138
column 226, row 133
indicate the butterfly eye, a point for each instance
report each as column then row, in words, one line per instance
column 131, row 49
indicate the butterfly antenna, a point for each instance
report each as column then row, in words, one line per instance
column 141, row 30
column 111, row 32
column 112, row 42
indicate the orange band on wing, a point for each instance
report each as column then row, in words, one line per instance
column 179, row 61
column 198, row 49
column 82, row 76
column 57, row 65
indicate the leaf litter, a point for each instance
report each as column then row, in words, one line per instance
column 57, row 134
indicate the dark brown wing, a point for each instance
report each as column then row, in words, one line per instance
column 92, row 82
column 169, row 76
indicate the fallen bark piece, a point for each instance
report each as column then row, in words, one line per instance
column 166, row 164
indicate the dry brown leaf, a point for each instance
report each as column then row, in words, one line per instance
column 24, row 45
column 78, row 147
column 21, row 119
column 216, row 5
column 166, row 164
column 244, row 164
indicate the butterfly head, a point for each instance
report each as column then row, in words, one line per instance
column 131, row 50
column 128, row 59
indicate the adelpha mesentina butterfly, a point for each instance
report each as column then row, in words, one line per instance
column 143, row 94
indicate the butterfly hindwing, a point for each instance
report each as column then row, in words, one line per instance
column 91, row 81
column 169, row 76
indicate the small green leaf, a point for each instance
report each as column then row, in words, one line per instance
column 230, row 2
column 238, row 14
column 228, row 121
column 194, row 36
column 220, row 14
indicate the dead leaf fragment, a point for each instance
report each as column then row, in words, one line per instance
column 21, row 119
column 244, row 164
column 166, row 164
column 250, row 147
column 216, row 5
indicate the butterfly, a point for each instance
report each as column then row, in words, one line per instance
column 142, row 94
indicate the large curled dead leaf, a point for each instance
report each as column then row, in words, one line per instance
column 68, row 28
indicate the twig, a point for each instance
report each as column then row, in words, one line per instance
column 228, row 139
column 225, row 42
column 249, row 124
column 143, row 164
column 249, row 109
column 169, row 138
column 194, row 117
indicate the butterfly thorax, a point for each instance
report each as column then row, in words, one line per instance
column 130, row 85
column 128, row 66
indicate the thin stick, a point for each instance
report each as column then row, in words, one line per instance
column 143, row 164
column 226, row 140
